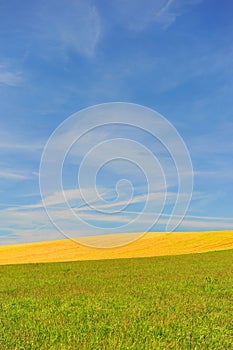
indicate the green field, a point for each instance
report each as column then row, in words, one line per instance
column 175, row 302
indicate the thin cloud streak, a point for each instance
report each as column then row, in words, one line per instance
column 135, row 16
column 36, row 221
column 68, row 26
column 9, row 77
column 17, row 147
column 11, row 175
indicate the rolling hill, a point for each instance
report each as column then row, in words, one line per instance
column 151, row 244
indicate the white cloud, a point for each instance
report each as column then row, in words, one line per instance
column 58, row 198
column 220, row 174
column 10, row 142
column 13, row 175
column 171, row 9
column 20, row 147
column 20, row 160
column 63, row 26
column 137, row 15
column 213, row 152
column 216, row 141
column 14, row 149
column 30, row 225
column 205, row 225
column 10, row 77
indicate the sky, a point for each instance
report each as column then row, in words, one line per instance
column 61, row 57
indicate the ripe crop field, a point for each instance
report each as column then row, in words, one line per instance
column 151, row 244
column 171, row 302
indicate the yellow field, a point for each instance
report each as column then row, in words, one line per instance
column 151, row 244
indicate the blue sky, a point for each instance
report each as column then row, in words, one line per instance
column 59, row 57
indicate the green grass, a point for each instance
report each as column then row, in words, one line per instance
column 176, row 302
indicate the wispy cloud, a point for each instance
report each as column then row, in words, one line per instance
column 212, row 152
column 21, row 147
column 18, row 143
column 10, row 77
column 64, row 26
column 30, row 225
column 137, row 16
column 58, row 198
column 19, row 160
column 12, row 175
column 171, row 9
column 217, row 141
column 225, row 174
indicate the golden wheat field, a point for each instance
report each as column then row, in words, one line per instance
column 150, row 244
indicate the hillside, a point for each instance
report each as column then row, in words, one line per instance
column 151, row 244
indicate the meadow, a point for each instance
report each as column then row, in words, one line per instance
column 171, row 302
